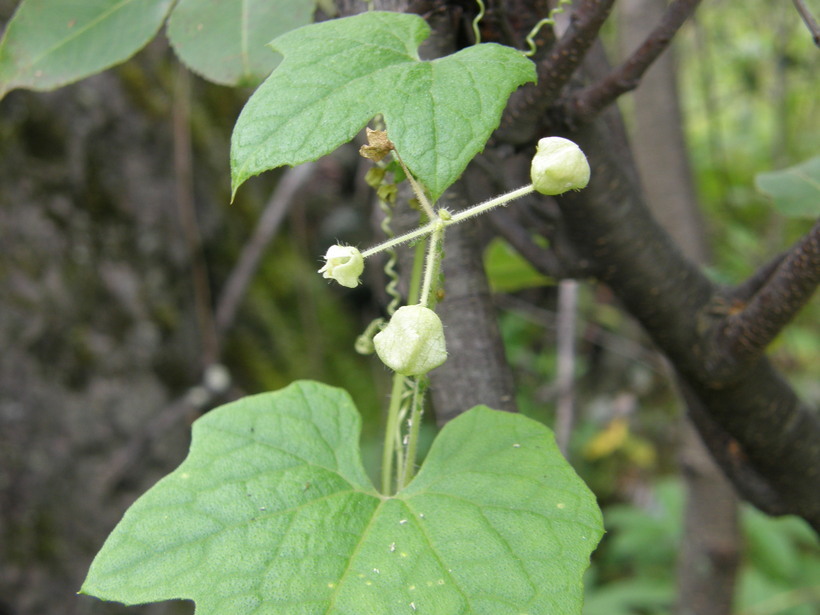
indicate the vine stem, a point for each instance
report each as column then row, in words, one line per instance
column 391, row 430
column 392, row 451
column 479, row 209
column 405, row 450
column 405, row 464
column 432, row 261
column 406, row 469
column 413, row 435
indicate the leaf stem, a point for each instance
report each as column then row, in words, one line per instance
column 431, row 226
column 417, row 189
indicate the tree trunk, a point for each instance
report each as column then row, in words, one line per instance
column 711, row 539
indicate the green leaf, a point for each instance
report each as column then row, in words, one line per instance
column 508, row 271
column 338, row 74
column 49, row 43
column 796, row 190
column 226, row 42
column 272, row 513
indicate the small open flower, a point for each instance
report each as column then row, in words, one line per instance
column 343, row 264
column 558, row 166
column 412, row 343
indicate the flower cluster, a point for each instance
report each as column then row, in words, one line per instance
column 413, row 342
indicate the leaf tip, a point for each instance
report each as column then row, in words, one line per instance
column 238, row 177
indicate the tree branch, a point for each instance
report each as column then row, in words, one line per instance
column 242, row 273
column 743, row 292
column 745, row 334
column 186, row 206
column 565, row 372
column 729, row 456
column 776, row 434
column 809, row 20
column 527, row 106
column 582, row 106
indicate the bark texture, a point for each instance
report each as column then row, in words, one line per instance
column 95, row 295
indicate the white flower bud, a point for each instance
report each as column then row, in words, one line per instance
column 558, row 166
column 343, row 264
column 412, row 343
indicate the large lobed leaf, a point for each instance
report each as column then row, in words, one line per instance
column 49, row 43
column 226, row 42
column 795, row 190
column 272, row 513
column 339, row 74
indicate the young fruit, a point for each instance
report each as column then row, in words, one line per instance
column 412, row 343
column 558, row 166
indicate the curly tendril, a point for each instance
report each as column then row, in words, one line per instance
column 477, row 20
column 392, row 287
column 550, row 20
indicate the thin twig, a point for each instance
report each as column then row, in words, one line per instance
column 565, row 376
column 809, row 20
column 183, row 170
column 270, row 220
column 571, row 48
column 619, row 345
column 743, row 292
column 586, row 104
column 746, row 333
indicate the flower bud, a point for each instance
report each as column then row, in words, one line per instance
column 412, row 343
column 558, row 166
column 343, row 264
